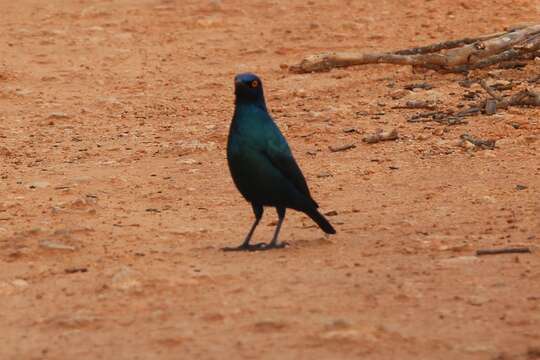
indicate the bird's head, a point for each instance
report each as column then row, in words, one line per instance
column 248, row 88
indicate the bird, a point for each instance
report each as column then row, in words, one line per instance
column 262, row 165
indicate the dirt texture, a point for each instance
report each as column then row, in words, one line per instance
column 116, row 197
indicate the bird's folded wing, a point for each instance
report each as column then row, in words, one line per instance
column 280, row 156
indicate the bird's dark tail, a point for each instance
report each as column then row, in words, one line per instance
column 321, row 221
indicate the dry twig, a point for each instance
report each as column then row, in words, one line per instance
column 451, row 56
column 381, row 135
column 338, row 148
column 513, row 250
column 482, row 144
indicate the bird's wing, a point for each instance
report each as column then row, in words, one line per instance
column 278, row 152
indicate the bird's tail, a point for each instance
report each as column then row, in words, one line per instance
column 321, row 221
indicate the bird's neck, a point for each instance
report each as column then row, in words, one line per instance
column 242, row 103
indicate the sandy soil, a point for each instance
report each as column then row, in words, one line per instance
column 116, row 197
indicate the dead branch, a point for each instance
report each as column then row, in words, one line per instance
column 514, row 250
column 480, row 143
column 489, row 106
column 338, row 148
column 452, row 56
column 523, row 98
column 381, row 135
column 489, row 90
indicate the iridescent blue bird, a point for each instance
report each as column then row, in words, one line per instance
column 262, row 165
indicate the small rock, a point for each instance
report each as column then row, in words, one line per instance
column 315, row 114
column 20, row 283
column 424, row 86
column 47, row 244
column 521, row 187
column 73, row 270
column 38, row 185
column 58, row 115
column 438, row 131
column 505, row 142
column 501, row 85
column 336, row 148
column 195, row 144
column 331, row 213
column 210, row 21
column 478, row 143
column 477, row 300
column 189, row 161
column 109, row 100
column 269, row 325
column 489, row 199
column 79, row 203
column 430, row 96
column 420, row 104
column 381, row 135
column 491, row 106
column 399, row 94
column 300, row 93
column 82, row 179
column 74, row 320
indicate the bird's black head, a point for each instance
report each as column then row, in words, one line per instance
column 248, row 88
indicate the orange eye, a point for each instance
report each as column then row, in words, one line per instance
column 254, row 83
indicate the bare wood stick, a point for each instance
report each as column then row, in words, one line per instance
column 452, row 43
column 508, row 55
column 512, row 250
column 522, row 41
column 480, row 143
column 489, row 90
column 523, row 98
column 341, row 147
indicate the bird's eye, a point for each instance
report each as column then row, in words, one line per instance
column 254, row 83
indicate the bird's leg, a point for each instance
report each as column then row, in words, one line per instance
column 274, row 244
column 246, row 246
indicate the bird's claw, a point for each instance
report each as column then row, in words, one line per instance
column 246, row 247
column 257, row 247
column 279, row 245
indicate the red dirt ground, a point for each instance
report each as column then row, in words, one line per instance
column 116, row 197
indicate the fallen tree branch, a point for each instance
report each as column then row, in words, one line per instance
column 523, row 98
column 479, row 143
column 452, row 56
column 489, row 90
column 514, row 250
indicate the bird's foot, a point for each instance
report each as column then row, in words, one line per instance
column 271, row 246
column 257, row 247
column 246, row 247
